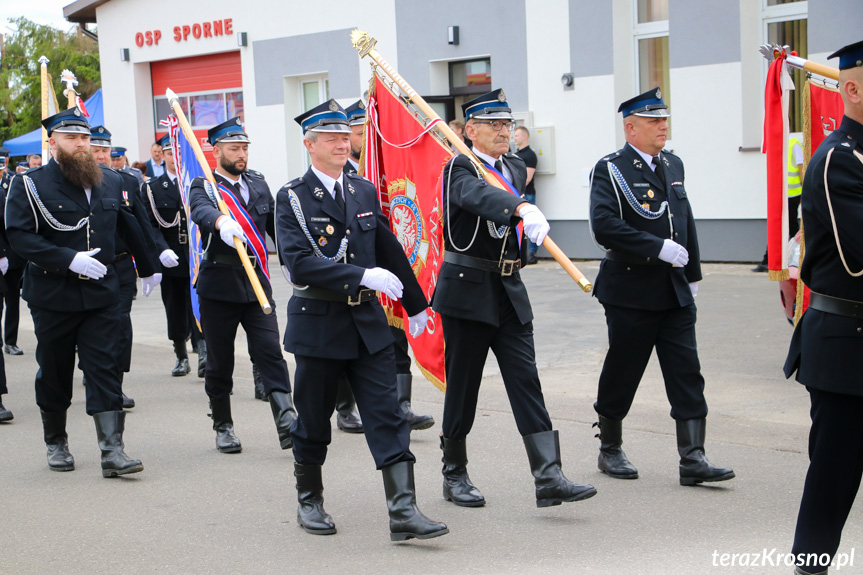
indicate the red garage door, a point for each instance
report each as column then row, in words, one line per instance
column 210, row 89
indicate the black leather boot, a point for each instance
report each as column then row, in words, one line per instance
column 5, row 414
column 202, row 357
column 800, row 571
column 694, row 467
column 415, row 421
column 259, row 383
column 612, row 459
column 310, row 496
column 109, row 431
column 406, row 520
column 552, row 486
column 348, row 418
column 181, row 368
column 226, row 441
column 457, row 486
column 54, row 427
column 284, row 414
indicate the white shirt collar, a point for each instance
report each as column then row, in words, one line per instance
column 490, row 161
column 356, row 165
column 172, row 177
column 244, row 187
column 647, row 157
column 328, row 182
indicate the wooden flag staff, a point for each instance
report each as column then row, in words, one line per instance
column 238, row 244
column 365, row 45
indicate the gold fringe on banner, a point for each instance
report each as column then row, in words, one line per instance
column 429, row 376
column 807, row 127
column 798, row 302
column 779, row 275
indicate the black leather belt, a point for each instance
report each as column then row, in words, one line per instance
column 120, row 256
column 312, row 292
column 625, row 258
column 232, row 259
column 836, row 305
column 504, row 268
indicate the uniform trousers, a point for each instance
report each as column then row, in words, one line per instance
column 372, row 378
column 466, row 347
column 128, row 290
column 3, row 388
column 12, row 301
column 835, row 469
column 220, row 320
column 400, row 348
column 632, row 335
column 94, row 332
column 177, row 297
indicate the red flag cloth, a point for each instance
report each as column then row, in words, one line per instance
column 81, row 106
column 406, row 164
column 776, row 147
column 826, row 111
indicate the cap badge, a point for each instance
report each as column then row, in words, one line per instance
column 77, row 112
column 333, row 106
column 362, row 106
column 501, row 97
column 101, row 130
column 238, row 122
column 658, row 94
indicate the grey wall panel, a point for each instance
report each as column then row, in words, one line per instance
column 329, row 52
column 718, row 240
column 485, row 28
column 591, row 45
column 833, row 24
column 703, row 32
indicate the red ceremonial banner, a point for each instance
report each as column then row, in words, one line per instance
column 776, row 148
column 826, row 111
column 406, row 163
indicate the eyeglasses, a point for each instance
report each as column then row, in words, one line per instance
column 497, row 125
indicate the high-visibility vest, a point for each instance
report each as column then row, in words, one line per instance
column 795, row 182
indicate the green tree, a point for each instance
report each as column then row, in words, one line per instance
column 20, row 87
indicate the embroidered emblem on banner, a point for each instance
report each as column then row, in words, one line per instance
column 407, row 222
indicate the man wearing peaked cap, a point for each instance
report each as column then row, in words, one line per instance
column 483, row 305
column 100, row 146
column 167, row 217
column 826, row 348
column 120, row 163
column 225, row 294
column 339, row 251
column 13, row 274
column 640, row 214
column 71, row 284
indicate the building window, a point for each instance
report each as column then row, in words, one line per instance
column 203, row 109
column 650, row 34
column 470, row 77
column 314, row 91
column 785, row 23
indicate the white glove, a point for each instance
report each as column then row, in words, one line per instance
column 230, row 229
column 4, row 265
column 674, row 253
column 148, row 283
column 169, row 259
column 535, row 225
column 86, row 265
column 693, row 287
column 383, row 280
column 417, row 323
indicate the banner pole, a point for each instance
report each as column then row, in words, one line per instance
column 365, row 45
column 199, row 155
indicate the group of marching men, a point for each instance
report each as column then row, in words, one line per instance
column 79, row 224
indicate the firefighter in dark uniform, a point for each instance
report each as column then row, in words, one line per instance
column 484, row 306
column 100, row 146
column 6, row 254
column 168, row 217
column 63, row 218
column 225, row 294
column 120, row 163
column 13, row 274
column 338, row 249
column 647, row 282
column 826, row 349
column 356, row 113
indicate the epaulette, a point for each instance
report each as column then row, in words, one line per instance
column 847, row 144
column 255, row 173
column 611, row 157
column 664, row 151
column 293, row 183
column 512, row 155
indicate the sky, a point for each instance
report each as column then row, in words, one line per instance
column 48, row 12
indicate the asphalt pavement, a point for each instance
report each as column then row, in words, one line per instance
column 196, row 511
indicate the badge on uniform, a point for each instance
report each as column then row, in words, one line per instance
column 330, row 230
column 645, row 205
column 165, row 185
column 636, row 163
column 322, row 241
column 650, row 193
column 319, row 193
column 351, row 189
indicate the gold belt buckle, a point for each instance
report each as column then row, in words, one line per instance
column 184, row 238
column 82, row 277
column 508, row 268
column 357, row 299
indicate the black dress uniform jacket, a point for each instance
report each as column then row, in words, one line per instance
column 132, row 201
column 15, row 261
column 330, row 329
column 163, row 193
column 48, row 282
column 634, row 241
column 218, row 280
column 470, row 203
column 827, row 349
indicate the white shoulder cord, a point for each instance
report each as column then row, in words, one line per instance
column 833, row 217
column 33, row 195
column 448, row 221
column 159, row 219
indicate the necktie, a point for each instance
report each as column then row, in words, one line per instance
column 660, row 171
column 339, row 199
column 498, row 165
column 238, row 191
